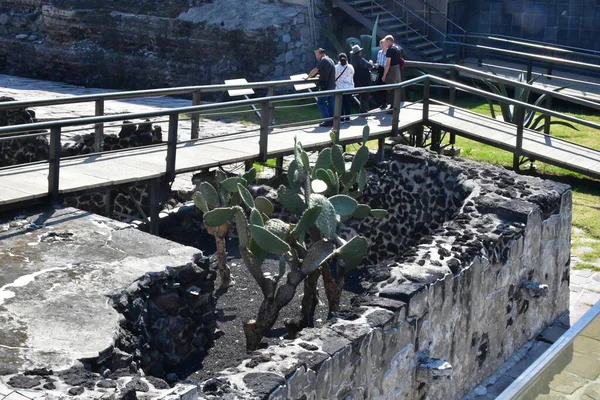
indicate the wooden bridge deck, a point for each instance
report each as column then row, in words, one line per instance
column 105, row 170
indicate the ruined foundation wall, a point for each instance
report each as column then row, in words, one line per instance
column 431, row 330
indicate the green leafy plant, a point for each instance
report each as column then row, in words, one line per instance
column 531, row 121
column 320, row 197
column 215, row 203
column 368, row 42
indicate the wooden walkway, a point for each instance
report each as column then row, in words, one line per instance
column 105, row 170
column 578, row 85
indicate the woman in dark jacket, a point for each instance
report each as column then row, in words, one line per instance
column 362, row 76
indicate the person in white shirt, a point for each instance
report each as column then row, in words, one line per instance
column 344, row 79
column 380, row 65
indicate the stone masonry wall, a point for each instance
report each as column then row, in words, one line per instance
column 130, row 45
column 447, row 313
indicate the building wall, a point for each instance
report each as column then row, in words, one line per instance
column 564, row 22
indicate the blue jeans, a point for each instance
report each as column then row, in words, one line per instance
column 325, row 105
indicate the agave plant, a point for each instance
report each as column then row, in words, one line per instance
column 531, row 121
column 319, row 196
column 368, row 42
column 226, row 194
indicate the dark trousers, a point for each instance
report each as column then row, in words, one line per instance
column 381, row 95
column 347, row 105
column 364, row 102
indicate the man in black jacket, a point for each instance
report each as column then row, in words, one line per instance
column 362, row 76
column 326, row 70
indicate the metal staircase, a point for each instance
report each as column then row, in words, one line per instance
column 419, row 37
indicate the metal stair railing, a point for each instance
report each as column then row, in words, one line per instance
column 375, row 4
column 430, row 9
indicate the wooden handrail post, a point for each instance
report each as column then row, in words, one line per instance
column 547, row 117
column 452, row 101
column 337, row 116
column 519, row 120
column 172, row 146
column 396, row 111
column 195, row 116
column 99, row 128
column 529, row 69
column 265, row 120
column 54, row 164
column 426, row 95
column 549, row 68
column 271, row 92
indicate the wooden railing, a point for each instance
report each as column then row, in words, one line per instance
column 267, row 105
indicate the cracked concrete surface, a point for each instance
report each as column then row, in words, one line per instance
column 54, row 294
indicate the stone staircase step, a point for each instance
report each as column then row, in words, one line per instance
column 424, row 45
column 432, row 52
column 394, row 27
column 415, row 38
column 356, row 3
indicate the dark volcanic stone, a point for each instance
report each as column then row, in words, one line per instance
column 157, row 382
column 107, row 384
column 24, row 382
column 379, row 317
column 263, row 383
column 49, row 386
column 401, row 291
column 38, row 372
column 79, row 377
column 128, row 393
column 138, row 385
column 76, row 391
column 389, row 304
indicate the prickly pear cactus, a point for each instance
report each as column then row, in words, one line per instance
column 219, row 207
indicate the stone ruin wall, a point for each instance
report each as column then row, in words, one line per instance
column 448, row 312
column 133, row 45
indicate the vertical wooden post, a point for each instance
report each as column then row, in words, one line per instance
column 547, row 117
column 271, row 92
column 452, row 101
column 380, row 149
column 195, row 116
column 519, row 118
column 54, row 165
column 396, row 111
column 337, row 116
column 172, row 146
column 278, row 166
column 426, row 96
column 265, row 119
column 436, row 137
column 99, row 128
column 529, row 69
column 549, row 67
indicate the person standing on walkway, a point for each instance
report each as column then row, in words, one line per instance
column 344, row 79
column 362, row 76
column 326, row 70
column 380, row 65
column 393, row 62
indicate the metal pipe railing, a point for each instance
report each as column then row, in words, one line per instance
column 581, row 51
